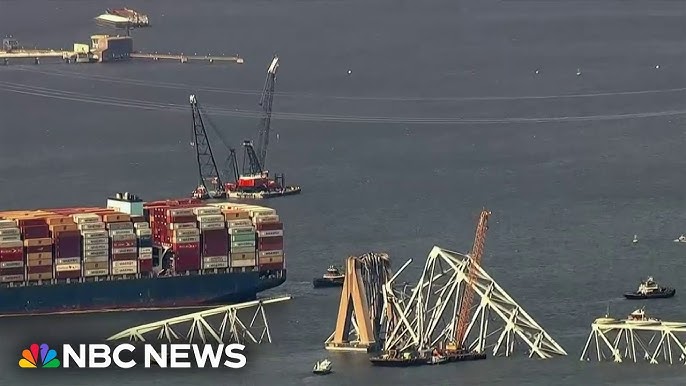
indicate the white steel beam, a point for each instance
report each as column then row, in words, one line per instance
column 201, row 327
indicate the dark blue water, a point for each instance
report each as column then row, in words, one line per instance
column 442, row 114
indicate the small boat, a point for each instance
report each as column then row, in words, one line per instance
column 322, row 367
column 332, row 278
column 639, row 317
column 437, row 360
column 635, row 240
column 649, row 289
column 680, row 239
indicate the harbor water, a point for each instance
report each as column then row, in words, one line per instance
column 400, row 120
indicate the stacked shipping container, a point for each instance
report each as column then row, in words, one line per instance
column 144, row 235
column 213, row 238
column 11, row 252
column 123, row 244
column 67, row 247
column 95, row 238
column 185, row 239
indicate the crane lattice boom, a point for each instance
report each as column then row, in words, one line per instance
column 266, row 101
column 207, row 167
column 475, row 259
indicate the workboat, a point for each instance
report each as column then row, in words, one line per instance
column 649, row 289
column 322, row 367
column 639, row 317
column 406, row 359
column 437, row 357
column 332, row 278
column 680, row 239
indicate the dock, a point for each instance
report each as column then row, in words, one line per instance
column 20, row 54
column 185, row 58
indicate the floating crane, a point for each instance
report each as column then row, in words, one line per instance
column 207, row 167
column 254, row 182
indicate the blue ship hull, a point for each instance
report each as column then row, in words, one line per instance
column 159, row 292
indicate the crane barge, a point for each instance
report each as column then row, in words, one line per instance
column 253, row 181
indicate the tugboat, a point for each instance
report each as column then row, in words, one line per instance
column 649, row 289
column 332, row 278
column 322, row 367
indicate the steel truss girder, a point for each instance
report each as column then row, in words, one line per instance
column 619, row 341
column 428, row 317
column 199, row 326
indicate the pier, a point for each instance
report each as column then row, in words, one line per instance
column 185, row 58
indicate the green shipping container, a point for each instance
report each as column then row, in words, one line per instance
column 243, row 237
column 240, row 244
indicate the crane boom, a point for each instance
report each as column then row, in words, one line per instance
column 266, row 101
column 475, row 259
column 207, row 167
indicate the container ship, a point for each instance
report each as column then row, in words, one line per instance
column 133, row 254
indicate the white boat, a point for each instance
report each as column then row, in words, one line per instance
column 680, row 239
column 639, row 317
column 322, row 367
column 635, row 240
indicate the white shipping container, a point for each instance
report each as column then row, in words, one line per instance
column 271, row 253
column 91, row 226
column 141, row 225
column 211, row 218
column 68, row 260
column 242, row 263
column 215, row 259
column 67, row 267
column 10, row 232
column 185, row 232
column 96, row 241
column 10, row 238
column 125, row 271
column 94, row 234
column 11, row 278
column 145, row 250
column 274, row 233
column 248, row 249
column 96, row 272
column 96, row 259
column 11, row 244
column 186, row 239
column 180, row 212
column 119, row 251
column 124, row 263
column 207, row 210
column 239, row 223
column 118, row 232
column 11, row 264
column 241, row 230
column 219, row 264
column 262, row 212
column 124, row 237
column 144, row 256
column 265, row 219
column 119, row 225
column 88, row 254
column 4, row 224
column 182, row 225
column 144, row 232
column 96, row 247
column 206, row 226
column 81, row 218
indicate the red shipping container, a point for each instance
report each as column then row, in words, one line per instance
column 215, row 242
column 186, row 266
column 68, row 235
column 174, row 219
column 39, row 249
column 39, row 269
column 11, row 271
column 36, row 231
column 124, row 244
column 68, row 274
column 271, row 267
column 145, row 265
column 270, row 240
column 273, row 226
column 11, row 251
column 68, row 247
column 270, row 247
column 125, row 256
column 15, row 256
column 28, row 222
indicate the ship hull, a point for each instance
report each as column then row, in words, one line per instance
column 655, row 295
column 160, row 292
column 327, row 283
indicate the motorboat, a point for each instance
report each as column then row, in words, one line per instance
column 635, row 240
column 322, row 367
column 680, row 239
column 649, row 289
column 639, row 317
column 332, row 278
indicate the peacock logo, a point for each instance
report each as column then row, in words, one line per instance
column 31, row 360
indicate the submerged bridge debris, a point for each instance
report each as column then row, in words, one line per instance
column 199, row 326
